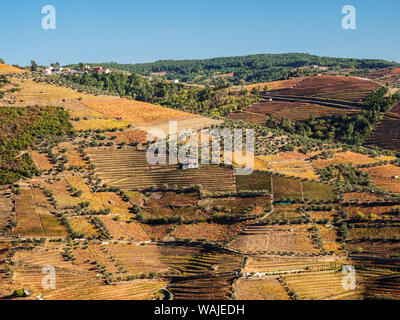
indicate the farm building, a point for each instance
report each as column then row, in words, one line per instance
column 101, row 70
column 191, row 163
column 46, row 71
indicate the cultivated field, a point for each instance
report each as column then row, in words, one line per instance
column 384, row 177
column 348, row 157
column 98, row 200
column 285, row 211
column 125, row 230
column 294, row 164
column 324, row 285
column 295, row 111
column 374, row 248
column 77, row 280
column 129, row 170
column 6, row 69
column 128, row 136
column 143, row 289
column 209, row 231
column 173, row 204
column 102, row 124
column 361, row 196
column 6, row 207
column 331, row 87
column 41, row 160
column 388, row 75
column 34, row 217
column 329, row 237
column 372, row 212
column 279, row 264
column 42, row 94
column 384, row 286
column 387, row 133
column 260, row 289
column 295, row 239
column 376, row 232
column 286, row 188
column 276, row 85
column 249, row 117
column 82, row 225
column 254, row 181
column 131, row 111
column 207, row 275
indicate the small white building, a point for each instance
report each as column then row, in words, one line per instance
column 175, row 81
column 191, row 163
column 71, row 71
column 46, row 71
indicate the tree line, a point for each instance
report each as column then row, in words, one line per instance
column 247, row 69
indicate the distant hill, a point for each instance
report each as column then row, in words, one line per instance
column 251, row 68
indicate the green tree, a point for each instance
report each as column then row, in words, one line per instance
column 34, row 65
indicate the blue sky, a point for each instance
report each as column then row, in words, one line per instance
column 132, row 31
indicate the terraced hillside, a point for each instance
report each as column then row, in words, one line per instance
column 208, row 275
column 128, row 169
column 295, row 111
column 386, row 286
column 331, row 87
column 319, row 285
column 387, row 133
column 280, row 264
column 34, row 217
column 260, row 238
column 115, row 227
column 6, row 206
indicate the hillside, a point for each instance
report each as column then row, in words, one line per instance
column 79, row 195
column 6, row 69
column 327, row 107
column 250, row 69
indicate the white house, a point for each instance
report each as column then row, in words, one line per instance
column 191, row 163
column 175, row 81
column 46, row 71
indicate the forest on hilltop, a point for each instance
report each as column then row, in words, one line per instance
column 247, row 69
